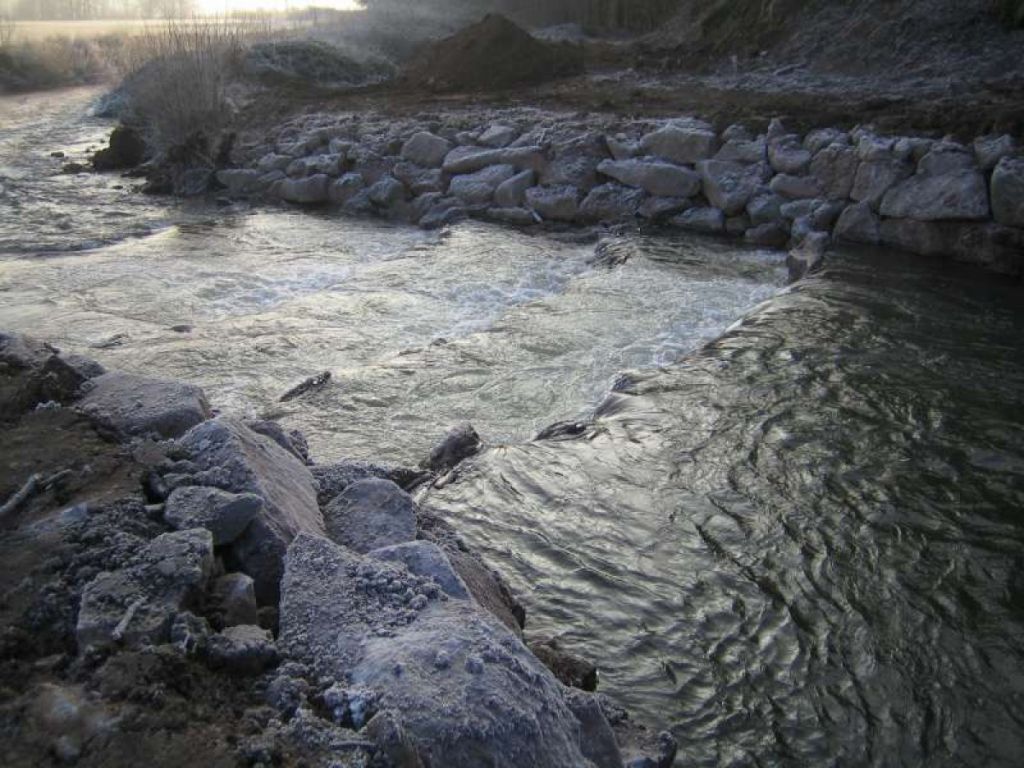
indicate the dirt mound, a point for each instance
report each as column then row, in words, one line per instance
column 492, row 54
column 965, row 39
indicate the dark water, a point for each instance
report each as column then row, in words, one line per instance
column 803, row 544
column 799, row 544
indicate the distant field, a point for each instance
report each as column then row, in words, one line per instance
column 32, row 31
column 29, row 31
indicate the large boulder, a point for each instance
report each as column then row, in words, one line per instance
column 657, row 178
column 709, row 220
column 795, row 187
column 835, row 167
column 989, row 150
column 876, row 177
column 470, row 159
column 611, row 202
column 554, row 203
column 33, row 372
column 310, row 190
column 242, row 461
column 957, row 194
column 681, row 142
column 427, row 559
column 418, row 180
column 739, row 150
column 387, row 634
column 241, row 181
column 511, row 193
column 1008, row 192
column 225, row 515
column 787, row 155
column 143, row 405
column 729, row 186
column 370, row 514
column 426, row 149
column 478, row 188
column 137, row 604
column 858, row 224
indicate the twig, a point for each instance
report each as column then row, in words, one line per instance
column 122, row 625
column 20, row 496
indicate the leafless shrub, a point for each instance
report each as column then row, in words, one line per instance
column 177, row 76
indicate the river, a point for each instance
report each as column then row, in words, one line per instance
column 790, row 528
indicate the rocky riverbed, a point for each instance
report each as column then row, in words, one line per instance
column 183, row 586
column 771, row 187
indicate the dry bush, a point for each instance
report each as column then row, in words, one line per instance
column 57, row 61
column 176, row 76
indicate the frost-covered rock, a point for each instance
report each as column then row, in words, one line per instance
column 478, row 188
column 426, row 149
column 1008, row 192
column 306, row 191
column 225, row 515
column 611, row 202
column 142, row 405
column 795, row 187
column 876, row 177
column 834, row 167
column 426, row 559
column 710, row 220
column 511, row 193
column 138, row 603
column 498, row 136
column 344, row 189
column 764, row 208
column 989, row 150
column 246, row 462
column 682, row 142
column 369, row 514
column 657, row 178
column 240, row 181
column 386, row 192
column 957, row 194
column 418, row 180
column 374, row 625
column 470, row 159
column 243, row 648
column 729, row 186
column 232, row 600
column 554, row 203
column 743, row 151
column 858, row 223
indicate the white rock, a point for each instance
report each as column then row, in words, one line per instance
column 681, row 142
column 729, row 186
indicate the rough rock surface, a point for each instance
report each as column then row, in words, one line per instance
column 554, row 203
column 959, row 194
column 424, row 558
column 244, row 462
column 657, row 178
column 225, row 515
column 858, row 224
column 137, row 603
column 369, row 514
column 426, row 149
column 683, row 142
column 1008, row 192
column 141, row 405
column 478, row 188
column 729, row 186
column 611, row 202
column 347, row 617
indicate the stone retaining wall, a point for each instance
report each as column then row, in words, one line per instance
column 519, row 166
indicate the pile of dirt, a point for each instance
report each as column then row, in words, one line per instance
column 960, row 39
column 492, row 54
column 313, row 61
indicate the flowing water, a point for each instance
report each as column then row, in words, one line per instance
column 789, row 527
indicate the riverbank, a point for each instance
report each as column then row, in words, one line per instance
column 765, row 184
column 269, row 607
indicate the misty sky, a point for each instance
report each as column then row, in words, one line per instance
column 222, row 6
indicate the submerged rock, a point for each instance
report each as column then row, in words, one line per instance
column 458, row 444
